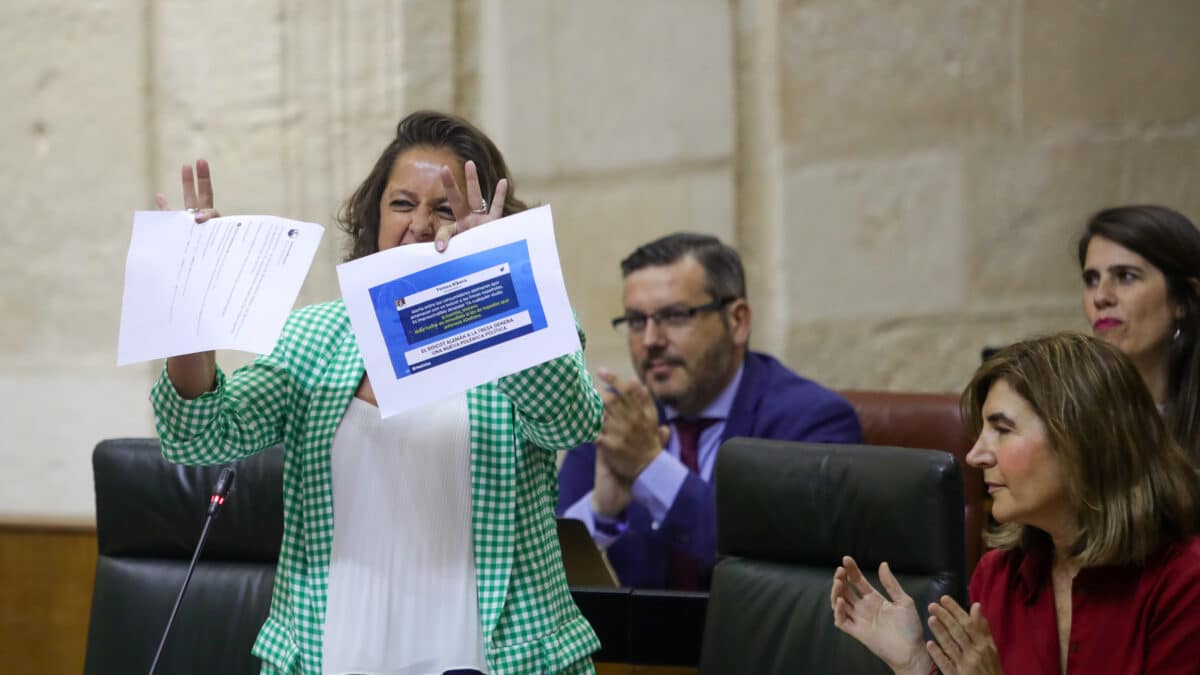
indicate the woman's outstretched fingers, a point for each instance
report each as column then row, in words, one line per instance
column 197, row 191
column 841, row 579
column 454, row 195
column 978, row 624
column 941, row 633
column 474, row 194
column 468, row 209
column 458, row 206
column 955, row 619
column 838, row 584
column 950, row 634
column 204, row 184
column 944, row 664
column 496, row 208
column 188, row 178
column 856, row 579
column 964, row 641
column 954, row 609
column 892, row 585
column 891, row 630
column 160, row 200
column 841, row 591
column 843, row 613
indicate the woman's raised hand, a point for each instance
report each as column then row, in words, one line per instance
column 197, row 192
column 890, row 628
column 472, row 210
column 193, row 374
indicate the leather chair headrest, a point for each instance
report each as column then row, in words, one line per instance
column 811, row 503
column 146, row 507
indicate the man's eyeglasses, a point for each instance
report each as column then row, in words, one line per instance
column 668, row 317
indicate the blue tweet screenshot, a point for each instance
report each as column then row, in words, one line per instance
column 457, row 308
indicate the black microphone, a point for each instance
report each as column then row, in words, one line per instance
column 224, row 483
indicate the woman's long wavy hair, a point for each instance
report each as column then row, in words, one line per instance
column 359, row 216
column 1130, row 484
column 1171, row 243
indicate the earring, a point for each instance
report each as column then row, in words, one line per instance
column 1176, row 335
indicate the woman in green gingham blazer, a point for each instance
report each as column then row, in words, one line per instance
column 297, row 395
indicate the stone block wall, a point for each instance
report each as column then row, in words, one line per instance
column 939, row 159
column 904, row 178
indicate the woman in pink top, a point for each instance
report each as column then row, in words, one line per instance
column 1141, row 293
column 1096, row 568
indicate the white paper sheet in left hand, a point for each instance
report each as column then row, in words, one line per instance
column 432, row 325
column 227, row 283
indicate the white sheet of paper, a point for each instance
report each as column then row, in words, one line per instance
column 227, row 283
column 432, row 325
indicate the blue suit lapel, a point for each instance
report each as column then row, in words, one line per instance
column 744, row 411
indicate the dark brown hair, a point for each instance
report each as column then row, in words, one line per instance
column 1171, row 243
column 1130, row 484
column 723, row 273
column 359, row 216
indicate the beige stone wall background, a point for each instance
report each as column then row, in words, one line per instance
column 903, row 177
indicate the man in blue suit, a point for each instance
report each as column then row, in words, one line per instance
column 645, row 489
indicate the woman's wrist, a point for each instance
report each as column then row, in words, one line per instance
column 193, row 374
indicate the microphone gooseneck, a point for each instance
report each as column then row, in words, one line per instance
column 220, row 491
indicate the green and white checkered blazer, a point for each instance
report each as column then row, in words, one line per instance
column 298, row 394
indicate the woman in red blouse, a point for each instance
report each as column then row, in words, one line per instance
column 1097, row 565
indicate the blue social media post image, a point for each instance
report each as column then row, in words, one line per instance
column 457, row 308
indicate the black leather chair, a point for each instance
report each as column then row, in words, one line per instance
column 927, row 422
column 787, row 513
column 149, row 514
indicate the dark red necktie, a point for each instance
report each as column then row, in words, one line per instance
column 688, row 432
column 683, row 572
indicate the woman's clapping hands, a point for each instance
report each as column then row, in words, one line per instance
column 891, row 628
column 888, row 626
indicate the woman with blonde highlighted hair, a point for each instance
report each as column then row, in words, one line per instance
column 1097, row 564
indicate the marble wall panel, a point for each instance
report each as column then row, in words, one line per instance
column 1088, row 63
column 868, row 77
column 875, row 237
column 933, row 352
column 601, row 87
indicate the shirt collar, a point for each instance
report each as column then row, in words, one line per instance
column 1034, row 573
column 719, row 407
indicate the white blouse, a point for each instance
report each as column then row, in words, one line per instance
column 402, row 596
